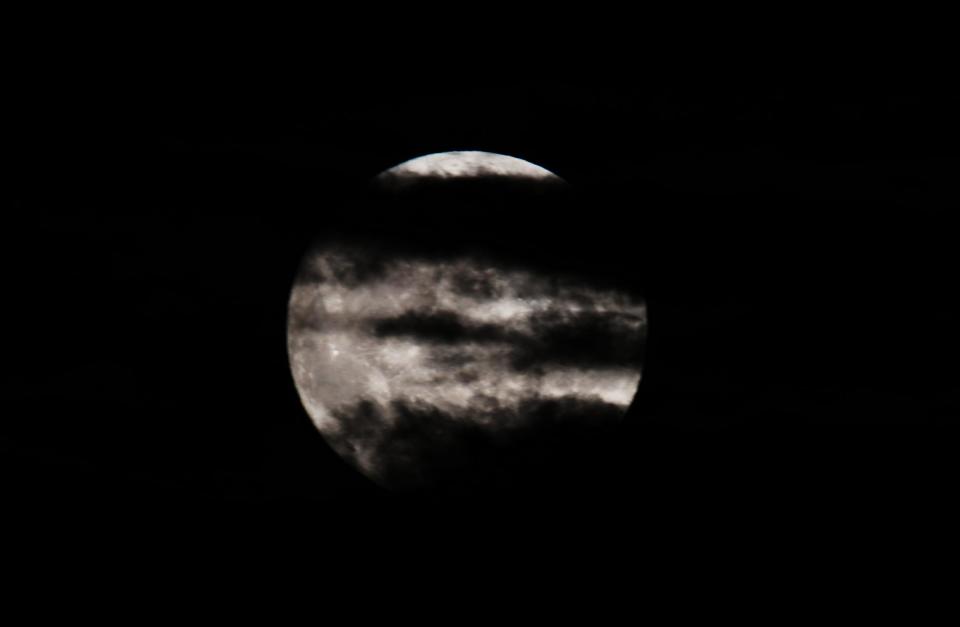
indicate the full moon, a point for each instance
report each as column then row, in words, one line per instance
column 436, row 367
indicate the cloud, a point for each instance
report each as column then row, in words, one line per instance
column 343, row 265
column 412, row 445
column 480, row 283
column 585, row 339
column 458, row 370
column 591, row 339
column 444, row 327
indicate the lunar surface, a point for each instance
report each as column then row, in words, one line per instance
column 462, row 164
column 459, row 368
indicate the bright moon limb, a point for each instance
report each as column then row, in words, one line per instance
column 463, row 165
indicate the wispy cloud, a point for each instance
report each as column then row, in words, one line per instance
column 463, row 340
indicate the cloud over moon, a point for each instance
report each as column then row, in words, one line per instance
column 415, row 368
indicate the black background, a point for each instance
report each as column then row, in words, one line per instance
column 793, row 236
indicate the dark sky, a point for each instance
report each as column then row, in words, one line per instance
column 793, row 237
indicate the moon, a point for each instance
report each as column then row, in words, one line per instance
column 444, row 368
column 462, row 165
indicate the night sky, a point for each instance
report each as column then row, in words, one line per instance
column 793, row 240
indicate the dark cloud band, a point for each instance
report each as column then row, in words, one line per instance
column 588, row 339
